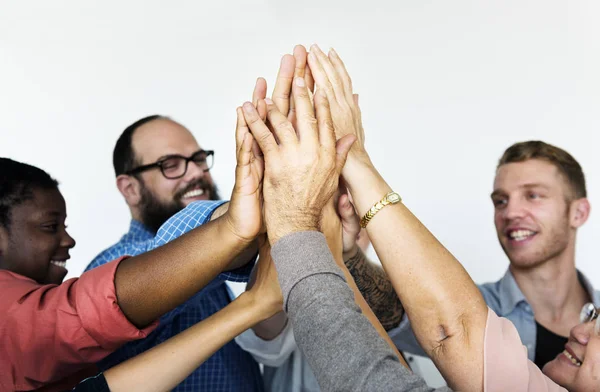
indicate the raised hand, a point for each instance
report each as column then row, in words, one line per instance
column 331, row 76
column 291, row 66
column 302, row 169
column 245, row 209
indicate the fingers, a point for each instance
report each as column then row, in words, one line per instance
column 342, row 73
column 330, row 72
column 361, row 131
column 324, row 121
column 283, row 129
column 320, row 76
column 244, row 142
column 260, row 91
column 306, row 124
column 260, row 131
column 241, row 129
column 261, row 107
column 300, row 70
column 258, row 95
column 310, row 81
column 342, row 148
column 283, row 84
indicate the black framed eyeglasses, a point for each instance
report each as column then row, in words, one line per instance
column 175, row 166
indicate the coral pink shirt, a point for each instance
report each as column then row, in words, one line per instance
column 506, row 366
column 48, row 332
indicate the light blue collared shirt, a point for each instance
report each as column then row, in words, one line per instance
column 507, row 300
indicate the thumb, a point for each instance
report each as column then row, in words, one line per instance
column 342, row 147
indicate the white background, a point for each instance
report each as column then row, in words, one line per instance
column 445, row 87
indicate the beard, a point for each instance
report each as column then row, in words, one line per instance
column 555, row 242
column 155, row 212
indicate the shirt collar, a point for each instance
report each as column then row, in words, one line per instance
column 139, row 232
column 587, row 285
column 511, row 295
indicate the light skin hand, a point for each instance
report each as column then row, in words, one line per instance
column 331, row 76
column 291, row 66
column 302, row 170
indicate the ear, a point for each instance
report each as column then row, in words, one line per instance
column 130, row 188
column 579, row 212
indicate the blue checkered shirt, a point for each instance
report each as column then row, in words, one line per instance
column 230, row 368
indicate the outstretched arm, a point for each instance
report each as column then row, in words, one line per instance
column 165, row 366
column 447, row 311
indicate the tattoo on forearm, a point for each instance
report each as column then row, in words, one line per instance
column 377, row 290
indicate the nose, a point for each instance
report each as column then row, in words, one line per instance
column 514, row 209
column 194, row 171
column 581, row 332
column 67, row 241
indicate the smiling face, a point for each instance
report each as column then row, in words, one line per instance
column 532, row 212
column 577, row 368
column 162, row 197
column 36, row 244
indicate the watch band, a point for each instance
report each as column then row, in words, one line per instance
column 390, row 198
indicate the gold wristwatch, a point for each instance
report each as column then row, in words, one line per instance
column 390, row 198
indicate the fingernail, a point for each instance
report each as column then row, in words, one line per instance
column 268, row 101
column 314, row 47
column 248, row 107
column 333, row 52
column 300, row 82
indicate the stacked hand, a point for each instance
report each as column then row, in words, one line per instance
column 297, row 134
column 302, row 164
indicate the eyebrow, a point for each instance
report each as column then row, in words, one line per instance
column 499, row 192
column 175, row 156
column 51, row 214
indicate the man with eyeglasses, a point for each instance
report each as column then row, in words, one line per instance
column 160, row 171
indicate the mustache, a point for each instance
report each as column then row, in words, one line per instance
column 199, row 183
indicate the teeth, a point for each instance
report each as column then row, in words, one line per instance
column 520, row 235
column 573, row 360
column 194, row 193
column 62, row 264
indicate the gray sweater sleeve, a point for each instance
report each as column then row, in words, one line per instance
column 344, row 350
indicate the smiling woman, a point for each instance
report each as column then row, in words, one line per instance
column 33, row 237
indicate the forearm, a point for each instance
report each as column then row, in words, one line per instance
column 376, row 289
column 367, row 311
column 344, row 350
column 165, row 366
column 151, row 284
column 445, row 307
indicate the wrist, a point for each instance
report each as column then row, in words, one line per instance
column 261, row 306
column 350, row 253
column 229, row 229
column 281, row 224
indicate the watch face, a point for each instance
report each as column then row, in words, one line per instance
column 394, row 197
